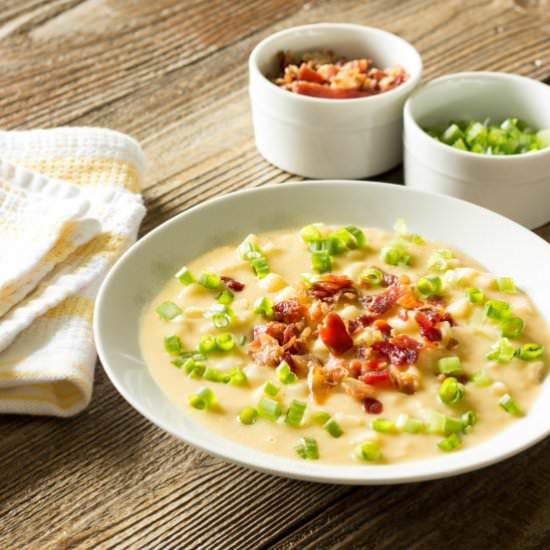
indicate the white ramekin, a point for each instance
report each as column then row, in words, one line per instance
column 331, row 138
column 517, row 186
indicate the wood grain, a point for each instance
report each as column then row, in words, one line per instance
column 173, row 74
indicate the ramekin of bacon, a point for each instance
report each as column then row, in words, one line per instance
column 327, row 99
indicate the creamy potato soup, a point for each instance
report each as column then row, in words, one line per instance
column 345, row 345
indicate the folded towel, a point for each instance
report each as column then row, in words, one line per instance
column 69, row 206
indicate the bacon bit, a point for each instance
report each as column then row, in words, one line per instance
column 404, row 279
column 427, row 322
column 357, row 389
column 288, row 311
column 383, row 301
column 452, row 343
column 275, row 330
column 315, row 89
column 389, row 279
column 408, row 300
column 384, row 327
column 317, row 383
column 367, row 319
column 266, row 351
column 354, row 325
column 334, row 334
column 307, row 73
column 401, row 350
column 403, row 314
column 316, row 312
column 436, row 300
column 355, row 367
column 372, row 405
column 405, row 381
column 232, row 284
column 330, row 287
column 449, row 318
column 376, row 377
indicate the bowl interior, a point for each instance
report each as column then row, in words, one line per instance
column 351, row 41
column 476, row 96
column 145, row 268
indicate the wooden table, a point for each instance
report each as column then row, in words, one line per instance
column 173, row 74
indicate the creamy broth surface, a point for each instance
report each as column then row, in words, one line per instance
column 470, row 339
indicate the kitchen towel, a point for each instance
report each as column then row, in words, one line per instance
column 69, row 206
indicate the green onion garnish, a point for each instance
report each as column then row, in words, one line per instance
column 510, row 327
column 358, row 235
column 242, row 340
column 406, row 423
column 383, row 425
column 450, row 443
column 225, row 342
column 248, row 416
column 400, row 227
column 442, row 424
column 210, row 280
column 250, row 251
column 450, row 365
column 173, row 345
column 396, row 254
column 225, row 296
column 309, row 278
column 221, row 315
column 295, row 413
column 207, row 343
column 236, row 377
column 368, row 451
column 203, row 398
column 264, row 306
column 285, row 374
column 168, row 310
column 530, row 351
column 333, row 428
column 510, row 405
column 481, row 378
column 194, row 369
column 310, row 233
column 429, row 285
column 469, row 418
column 441, row 260
column 270, row 388
column 260, row 267
column 214, row 375
column 320, row 417
column 185, row 276
column 506, row 284
column 497, row 309
column 321, row 261
column 451, row 391
column 373, row 277
column 475, row 295
column 308, row 448
column 269, row 408
column 502, row 352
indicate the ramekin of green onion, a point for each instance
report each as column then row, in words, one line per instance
column 483, row 137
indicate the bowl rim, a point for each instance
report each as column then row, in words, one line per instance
column 329, row 473
column 489, row 75
column 407, row 86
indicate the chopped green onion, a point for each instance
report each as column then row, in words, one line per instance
column 506, row 284
column 214, row 375
column 270, row 388
column 310, row 233
column 497, row 309
column 285, row 374
column 429, row 285
column 475, row 295
column 248, row 416
column 451, row 391
column 481, row 378
column 207, row 343
column 185, row 276
column 383, row 425
column 342, row 240
column 178, row 363
column 530, row 351
column 250, row 251
column 368, row 451
column 236, row 377
column 269, row 408
column 242, row 340
column 373, row 277
column 400, row 227
column 320, row 417
column 441, row 260
column 396, row 254
column 450, row 443
column 333, row 428
column 203, row 398
column 308, row 448
column 168, row 310
column 503, row 351
column 469, row 418
column 225, row 296
column 406, row 423
column 510, row 327
column 225, row 342
column 510, row 405
column 439, row 423
column 260, row 267
column 221, row 315
column 193, row 368
column 450, row 365
column 173, row 345
column 358, row 235
column 295, row 413
column 210, row 280
column 321, row 261
column 264, row 306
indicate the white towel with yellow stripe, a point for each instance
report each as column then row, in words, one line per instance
column 69, row 206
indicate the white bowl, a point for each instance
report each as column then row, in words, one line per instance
column 331, row 138
column 506, row 248
column 517, row 186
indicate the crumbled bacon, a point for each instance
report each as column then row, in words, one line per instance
column 452, row 343
column 385, row 300
column 334, row 334
column 372, row 405
column 232, row 284
column 266, row 351
column 384, row 327
column 401, row 350
column 376, row 377
column 358, row 389
column 389, row 279
column 426, row 320
column 331, row 287
column 405, row 381
column 436, row 300
column 288, row 311
column 407, row 298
